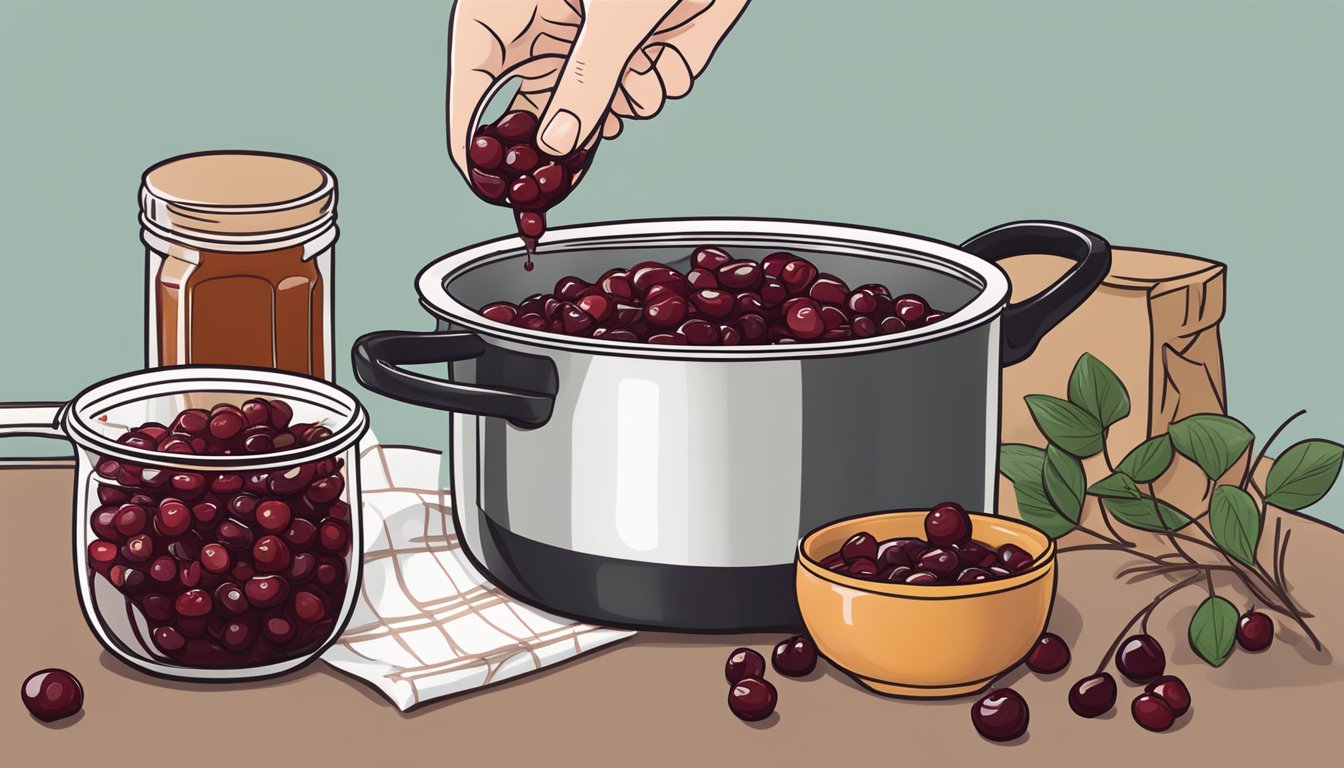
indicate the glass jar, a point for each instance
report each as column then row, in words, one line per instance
column 240, row 261
column 206, row 557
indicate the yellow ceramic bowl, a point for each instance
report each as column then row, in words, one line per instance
column 925, row 641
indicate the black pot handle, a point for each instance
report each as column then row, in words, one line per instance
column 377, row 355
column 1027, row 322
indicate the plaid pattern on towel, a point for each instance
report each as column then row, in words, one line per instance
column 427, row 624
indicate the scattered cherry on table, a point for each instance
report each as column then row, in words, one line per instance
column 1049, row 655
column 752, row 699
column 52, row 694
column 1140, row 658
column 1000, row 715
column 1255, row 631
column 743, row 663
column 795, row 656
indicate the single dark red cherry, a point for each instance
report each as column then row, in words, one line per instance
column 795, row 657
column 1049, row 655
column 266, row 591
column 752, row 699
column 803, row 318
column 1152, row 712
column 938, row 561
column 974, row 575
column 863, row 567
column 1093, row 696
column 1173, row 691
column 516, row 126
column 947, row 524
column 860, row 545
column 709, row 259
column 1015, row 558
column 226, row 422
column 486, row 152
column 1255, row 631
column 1000, row 715
column 743, row 663
column 1140, row 658
column 52, row 694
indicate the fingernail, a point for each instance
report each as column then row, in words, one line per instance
column 561, row 134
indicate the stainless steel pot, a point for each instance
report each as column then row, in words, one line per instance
column 653, row 486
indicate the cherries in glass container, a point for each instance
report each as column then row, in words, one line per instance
column 229, row 569
column 948, row 554
column 721, row 301
column 507, row 167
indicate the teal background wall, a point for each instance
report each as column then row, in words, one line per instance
column 1214, row 127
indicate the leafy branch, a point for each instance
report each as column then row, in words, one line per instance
column 1052, row 489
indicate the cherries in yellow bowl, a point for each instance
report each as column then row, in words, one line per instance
column 933, row 629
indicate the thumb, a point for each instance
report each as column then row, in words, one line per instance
column 612, row 30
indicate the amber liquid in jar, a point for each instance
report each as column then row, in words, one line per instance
column 240, row 249
column 261, row 309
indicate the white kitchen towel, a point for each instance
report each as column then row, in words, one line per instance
column 427, row 624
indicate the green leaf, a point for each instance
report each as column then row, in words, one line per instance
column 1115, row 486
column 1213, row 630
column 1020, row 462
column 1235, row 522
column 1148, row 461
column 1303, row 474
column 1065, row 484
column 1066, row 425
column 1141, row 513
column 1097, row 390
column 1024, row 465
column 1212, row 441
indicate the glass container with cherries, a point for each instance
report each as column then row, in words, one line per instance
column 217, row 525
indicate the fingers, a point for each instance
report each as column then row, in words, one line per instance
column 612, row 30
column 475, row 57
column 696, row 41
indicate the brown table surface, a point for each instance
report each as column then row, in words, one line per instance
column 656, row 699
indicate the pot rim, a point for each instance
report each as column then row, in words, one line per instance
column 870, row 242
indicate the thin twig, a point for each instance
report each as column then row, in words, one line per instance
column 1131, row 548
column 1143, row 613
column 1148, row 571
column 1105, row 515
column 1275, row 559
column 1278, row 551
column 1250, row 469
column 1086, row 547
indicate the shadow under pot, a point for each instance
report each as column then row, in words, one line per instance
column 217, row 518
column 666, row 487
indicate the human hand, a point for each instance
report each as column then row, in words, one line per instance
column 584, row 65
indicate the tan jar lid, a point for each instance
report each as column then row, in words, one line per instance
column 243, row 201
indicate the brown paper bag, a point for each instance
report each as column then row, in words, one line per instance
column 1154, row 321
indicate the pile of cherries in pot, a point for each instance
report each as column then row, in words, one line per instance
column 948, row 554
column 783, row 299
column 507, row 167
column 229, row 569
